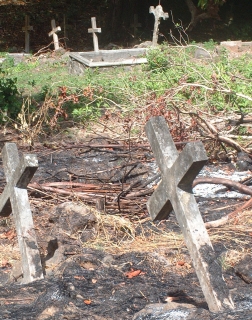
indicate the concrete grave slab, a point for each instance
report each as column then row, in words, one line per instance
column 178, row 170
column 106, row 58
column 14, row 198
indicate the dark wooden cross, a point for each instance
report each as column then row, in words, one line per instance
column 93, row 30
column 178, row 170
column 135, row 25
column 54, row 34
column 14, row 199
column 26, row 30
column 158, row 14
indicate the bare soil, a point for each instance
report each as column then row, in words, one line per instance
column 94, row 281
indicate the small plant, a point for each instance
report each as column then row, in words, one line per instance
column 9, row 102
column 157, row 59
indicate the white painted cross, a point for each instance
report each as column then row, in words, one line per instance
column 136, row 25
column 178, row 170
column 54, row 34
column 15, row 199
column 93, row 30
column 26, row 30
column 158, row 14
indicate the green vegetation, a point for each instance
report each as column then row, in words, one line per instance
column 172, row 74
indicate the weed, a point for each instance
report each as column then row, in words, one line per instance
column 171, row 74
column 9, row 102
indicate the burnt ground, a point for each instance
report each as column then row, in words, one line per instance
column 92, row 278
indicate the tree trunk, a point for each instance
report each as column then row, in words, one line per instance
column 197, row 15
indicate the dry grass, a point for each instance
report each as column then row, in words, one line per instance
column 9, row 254
column 118, row 235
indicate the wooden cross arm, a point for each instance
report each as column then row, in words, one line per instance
column 158, row 206
column 54, row 31
column 23, row 174
column 28, row 28
column 188, row 164
column 152, row 9
column 5, row 204
column 158, row 12
column 20, row 178
column 91, row 30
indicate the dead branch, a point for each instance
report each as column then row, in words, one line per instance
column 227, row 218
column 226, row 182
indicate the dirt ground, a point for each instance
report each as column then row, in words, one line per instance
column 125, row 261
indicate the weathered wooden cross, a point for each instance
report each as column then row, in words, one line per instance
column 93, row 30
column 135, row 25
column 26, row 30
column 15, row 199
column 158, row 14
column 178, row 170
column 54, row 34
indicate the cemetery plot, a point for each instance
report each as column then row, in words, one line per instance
column 108, row 58
column 102, row 278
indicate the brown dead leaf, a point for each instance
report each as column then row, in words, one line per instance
column 133, row 273
column 8, row 235
column 87, row 301
column 94, row 280
column 181, row 263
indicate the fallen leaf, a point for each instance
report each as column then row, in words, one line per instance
column 8, row 235
column 181, row 263
column 87, row 301
column 133, row 273
column 94, row 280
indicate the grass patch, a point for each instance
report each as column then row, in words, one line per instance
column 173, row 79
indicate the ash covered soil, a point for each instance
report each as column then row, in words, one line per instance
column 88, row 277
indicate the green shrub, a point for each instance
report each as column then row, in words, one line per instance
column 10, row 104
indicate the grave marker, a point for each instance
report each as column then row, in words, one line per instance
column 175, row 193
column 93, row 30
column 158, row 14
column 26, row 30
column 14, row 199
column 54, row 34
column 136, row 25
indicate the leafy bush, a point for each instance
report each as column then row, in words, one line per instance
column 9, row 103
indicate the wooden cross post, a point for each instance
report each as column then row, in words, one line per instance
column 14, row 199
column 93, row 30
column 158, row 14
column 175, row 192
column 54, row 34
column 26, row 30
column 136, row 25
